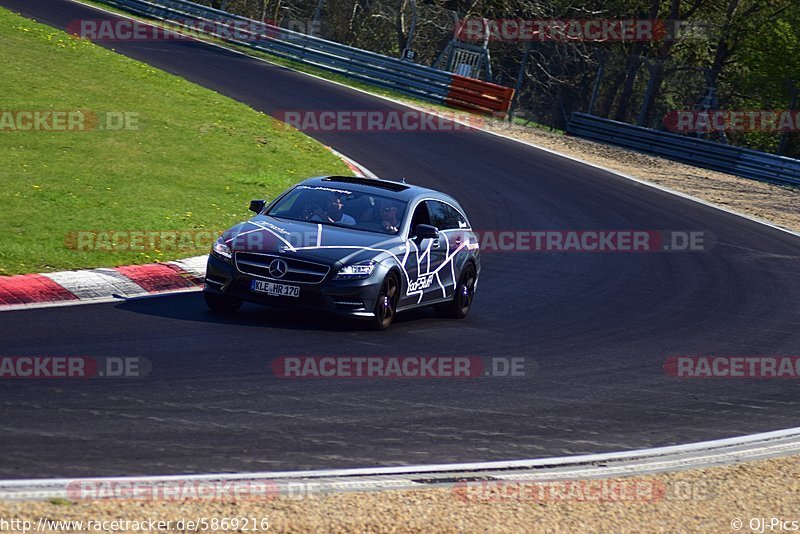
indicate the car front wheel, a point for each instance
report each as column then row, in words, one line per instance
column 386, row 305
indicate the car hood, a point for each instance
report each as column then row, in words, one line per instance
column 322, row 242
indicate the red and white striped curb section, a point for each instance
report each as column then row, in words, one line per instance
column 106, row 284
column 75, row 287
column 357, row 168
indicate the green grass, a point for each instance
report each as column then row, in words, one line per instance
column 194, row 163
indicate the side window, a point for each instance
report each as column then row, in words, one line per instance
column 457, row 217
column 287, row 203
column 420, row 217
column 445, row 217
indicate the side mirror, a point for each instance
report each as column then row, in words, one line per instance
column 426, row 231
column 257, row 205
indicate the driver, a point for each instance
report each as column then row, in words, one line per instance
column 333, row 212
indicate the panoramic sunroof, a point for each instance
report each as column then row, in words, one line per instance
column 383, row 184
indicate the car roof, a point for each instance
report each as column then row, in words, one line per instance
column 398, row 190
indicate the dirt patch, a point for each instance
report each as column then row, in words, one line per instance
column 699, row 500
column 779, row 205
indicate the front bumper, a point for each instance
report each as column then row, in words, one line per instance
column 352, row 298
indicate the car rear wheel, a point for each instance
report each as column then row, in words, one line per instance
column 459, row 307
column 386, row 305
column 222, row 303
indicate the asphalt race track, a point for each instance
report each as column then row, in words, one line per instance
column 595, row 328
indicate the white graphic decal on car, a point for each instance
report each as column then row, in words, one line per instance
column 425, row 272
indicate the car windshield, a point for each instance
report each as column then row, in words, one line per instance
column 341, row 207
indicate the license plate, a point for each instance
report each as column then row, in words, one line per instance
column 276, row 290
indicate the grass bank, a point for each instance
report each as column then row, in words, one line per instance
column 185, row 158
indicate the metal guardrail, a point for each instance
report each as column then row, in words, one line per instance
column 700, row 152
column 409, row 78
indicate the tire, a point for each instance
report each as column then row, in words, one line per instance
column 222, row 303
column 386, row 304
column 459, row 307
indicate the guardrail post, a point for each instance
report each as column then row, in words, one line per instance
column 317, row 15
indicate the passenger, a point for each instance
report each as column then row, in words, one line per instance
column 389, row 220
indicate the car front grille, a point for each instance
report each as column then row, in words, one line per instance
column 299, row 271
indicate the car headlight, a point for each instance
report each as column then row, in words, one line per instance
column 222, row 250
column 356, row 271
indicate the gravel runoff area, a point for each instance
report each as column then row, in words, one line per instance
column 779, row 205
column 748, row 497
column 762, row 496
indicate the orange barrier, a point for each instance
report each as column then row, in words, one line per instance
column 477, row 95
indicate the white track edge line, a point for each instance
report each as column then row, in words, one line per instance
column 754, row 441
column 347, row 159
column 497, row 134
column 503, row 136
column 506, row 464
column 72, row 302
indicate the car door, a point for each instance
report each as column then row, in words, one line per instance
column 452, row 225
